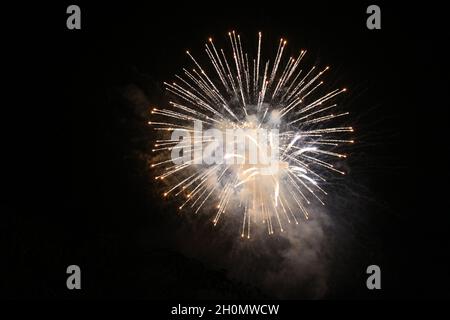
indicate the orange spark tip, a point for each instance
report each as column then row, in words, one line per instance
column 345, row 89
column 165, row 194
column 210, row 39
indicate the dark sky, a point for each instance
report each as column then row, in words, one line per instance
column 80, row 192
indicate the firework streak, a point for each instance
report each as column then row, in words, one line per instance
column 240, row 92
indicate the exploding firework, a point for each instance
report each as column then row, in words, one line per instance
column 248, row 98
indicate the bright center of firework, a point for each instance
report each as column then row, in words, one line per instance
column 255, row 140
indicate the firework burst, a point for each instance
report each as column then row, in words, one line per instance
column 250, row 95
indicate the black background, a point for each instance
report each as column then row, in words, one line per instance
column 77, row 189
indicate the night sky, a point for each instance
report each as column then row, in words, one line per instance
column 79, row 189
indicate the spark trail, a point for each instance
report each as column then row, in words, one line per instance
column 240, row 92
